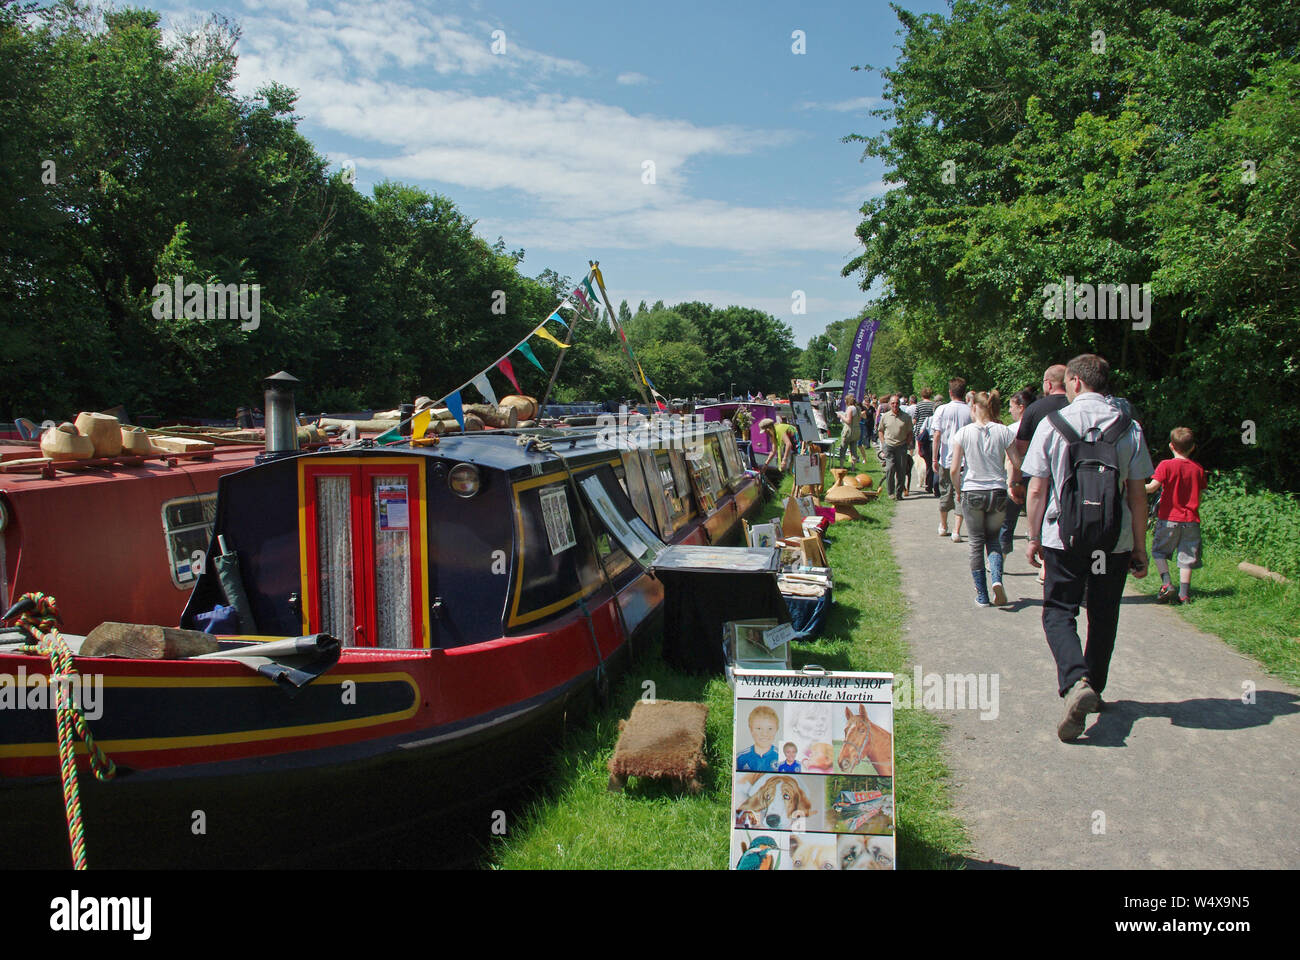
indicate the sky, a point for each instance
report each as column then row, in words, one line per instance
column 692, row 150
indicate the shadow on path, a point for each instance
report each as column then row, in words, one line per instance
column 1113, row 727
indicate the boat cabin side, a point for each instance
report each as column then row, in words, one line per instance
column 466, row 542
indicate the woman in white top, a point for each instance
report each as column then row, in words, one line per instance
column 982, row 446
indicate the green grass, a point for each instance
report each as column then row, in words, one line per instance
column 576, row 823
column 1261, row 618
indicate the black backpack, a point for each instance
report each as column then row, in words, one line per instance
column 1091, row 508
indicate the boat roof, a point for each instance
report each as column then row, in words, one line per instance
column 222, row 461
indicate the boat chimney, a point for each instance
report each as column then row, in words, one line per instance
column 281, row 419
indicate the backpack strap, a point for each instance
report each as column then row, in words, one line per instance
column 1117, row 429
column 1063, row 427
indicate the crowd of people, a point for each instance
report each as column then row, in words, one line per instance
column 1074, row 463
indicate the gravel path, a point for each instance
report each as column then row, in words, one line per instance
column 1178, row 772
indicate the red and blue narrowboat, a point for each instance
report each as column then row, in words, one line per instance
column 481, row 589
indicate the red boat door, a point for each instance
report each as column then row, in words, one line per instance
column 364, row 529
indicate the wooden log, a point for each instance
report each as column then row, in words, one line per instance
column 180, row 444
column 146, row 642
column 1262, row 573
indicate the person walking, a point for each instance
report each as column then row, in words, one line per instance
column 851, row 418
column 982, row 447
column 1015, row 482
column 1087, row 515
column 924, row 447
column 1053, row 398
column 896, row 429
column 945, row 423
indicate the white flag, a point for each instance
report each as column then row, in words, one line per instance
column 485, row 388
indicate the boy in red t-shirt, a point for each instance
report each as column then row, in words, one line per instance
column 1178, row 529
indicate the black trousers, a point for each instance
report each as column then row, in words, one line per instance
column 896, row 469
column 1067, row 579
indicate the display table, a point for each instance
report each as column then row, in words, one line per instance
column 705, row 587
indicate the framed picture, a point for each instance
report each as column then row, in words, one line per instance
column 808, row 469
column 747, row 645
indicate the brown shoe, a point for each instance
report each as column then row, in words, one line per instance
column 1080, row 701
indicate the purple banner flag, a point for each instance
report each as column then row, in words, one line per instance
column 855, row 375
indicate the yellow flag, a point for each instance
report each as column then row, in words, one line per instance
column 541, row 332
column 420, row 423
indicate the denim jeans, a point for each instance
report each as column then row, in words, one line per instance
column 984, row 510
column 1007, row 535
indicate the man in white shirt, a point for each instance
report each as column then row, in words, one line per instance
column 944, row 424
column 1082, row 673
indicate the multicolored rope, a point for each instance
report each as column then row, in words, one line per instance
column 42, row 622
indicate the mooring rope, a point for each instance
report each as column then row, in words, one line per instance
column 42, row 621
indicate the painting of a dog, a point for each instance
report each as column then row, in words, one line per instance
column 813, row 851
column 778, row 803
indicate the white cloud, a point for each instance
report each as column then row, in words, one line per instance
column 632, row 79
column 844, row 106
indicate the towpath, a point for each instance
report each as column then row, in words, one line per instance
column 1178, row 772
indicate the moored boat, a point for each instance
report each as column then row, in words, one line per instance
column 482, row 587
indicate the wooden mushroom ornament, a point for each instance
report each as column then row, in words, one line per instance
column 64, row 442
column 844, row 497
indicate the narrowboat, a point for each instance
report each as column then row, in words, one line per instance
column 460, row 598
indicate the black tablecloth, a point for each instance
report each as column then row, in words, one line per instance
column 696, row 605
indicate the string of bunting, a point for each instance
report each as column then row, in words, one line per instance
column 453, row 400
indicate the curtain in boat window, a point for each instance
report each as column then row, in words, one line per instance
column 334, row 550
column 392, row 532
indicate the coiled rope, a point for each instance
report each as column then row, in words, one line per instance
column 42, row 621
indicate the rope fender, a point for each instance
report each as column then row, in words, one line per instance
column 38, row 615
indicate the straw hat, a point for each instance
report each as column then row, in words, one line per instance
column 766, row 424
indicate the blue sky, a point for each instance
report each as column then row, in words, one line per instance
column 545, row 143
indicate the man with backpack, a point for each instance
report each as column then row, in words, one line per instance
column 1087, row 512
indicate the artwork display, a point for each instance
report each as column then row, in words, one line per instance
column 813, row 777
column 809, row 469
column 805, row 420
column 559, row 523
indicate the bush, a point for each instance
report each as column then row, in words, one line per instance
column 1261, row 527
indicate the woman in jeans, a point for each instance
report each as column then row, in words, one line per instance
column 1008, row 532
column 982, row 445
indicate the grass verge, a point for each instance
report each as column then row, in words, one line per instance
column 574, row 822
column 1261, row 618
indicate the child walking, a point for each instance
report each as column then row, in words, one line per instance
column 1178, row 526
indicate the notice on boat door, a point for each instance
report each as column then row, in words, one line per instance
column 812, row 771
column 559, row 523
column 392, row 506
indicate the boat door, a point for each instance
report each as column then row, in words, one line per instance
column 364, row 568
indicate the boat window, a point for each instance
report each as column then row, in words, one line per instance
column 334, row 555
column 643, row 492
column 678, row 491
column 731, row 457
column 553, row 557
column 187, row 527
column 391, row 528
column 658, row 493
column 708, row 485
column 628, row 530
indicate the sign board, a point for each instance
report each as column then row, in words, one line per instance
column 804, row 419
column 812, row 771
column 808, row 469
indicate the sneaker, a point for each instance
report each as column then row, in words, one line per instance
column 1079, row 702
column 999, row 594
column 956, row 537
column 981, row 603
column 943, row 531
column 1184, row 601
column 1167, row 593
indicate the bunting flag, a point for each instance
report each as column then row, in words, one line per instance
column 577, row 292
column 587, row 285
column 457, row 408
column 541, row 332
column 527, row 351
column 508, row 368
column 420, row 425
column 834, row 349
column 557, row 318
column 481, row 384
